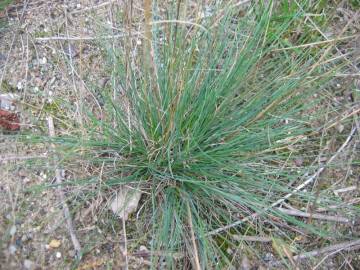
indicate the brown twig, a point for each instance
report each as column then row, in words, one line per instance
column 67, row 216
column 55, row 38
column 248, row 238
column 193, row 241
column 298, row 213
column 333, row 249
column 125, row 242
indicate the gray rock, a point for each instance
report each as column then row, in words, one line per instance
column 12, row 249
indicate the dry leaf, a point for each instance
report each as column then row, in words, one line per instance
column 9, row 120
column 125, row 202
column 54, row 243
column 340, row 128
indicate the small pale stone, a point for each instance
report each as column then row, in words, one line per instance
column 26, row 180
column 72, row 253
column 58, row 255
column 7, row 101
column 13, row 230
column 143, row 249
column 299, row 161
column 28, row 264
column 245, row 263
column 12, row 249
column 340, row 128
column 19, row 85
column 43, row 61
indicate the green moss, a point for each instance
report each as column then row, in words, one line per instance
column 355, row 4
column 40, row 34
column 52, row 108
column 6, row 87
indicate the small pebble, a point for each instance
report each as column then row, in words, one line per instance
column 299, row 161
column 143, row 249
column 58, row 255
column 340, row 128
column 268, row 257
column 12, row 249
column 43, row 61
column 26, row 237
column 13, row 230
column 28, row 264
column 26, row 180
column 19, row 85
column 72, row 253
column 18, row 242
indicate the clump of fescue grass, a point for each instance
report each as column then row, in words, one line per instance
column 207, row 117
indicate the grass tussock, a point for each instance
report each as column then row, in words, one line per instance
column 207, row 115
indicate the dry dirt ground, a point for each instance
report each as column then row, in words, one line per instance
column 43, row 69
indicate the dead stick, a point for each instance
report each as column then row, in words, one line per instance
column 193, row 240
column 80, row 38
column 298, row 213
column 250, row 238
column 61, row 194
column 344, row 246
column 333, row 249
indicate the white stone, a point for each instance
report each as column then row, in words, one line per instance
column 12, row 249
column 43, row 61
column 13, row 230
column 28, row 264
column 19, row 85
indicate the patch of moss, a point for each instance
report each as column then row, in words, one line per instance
column 52, row 108
column 6, row 87
column 40, row 34
column 355, row 4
